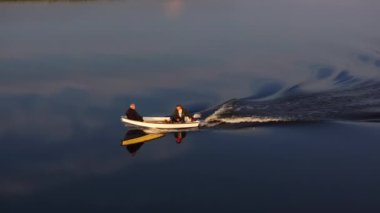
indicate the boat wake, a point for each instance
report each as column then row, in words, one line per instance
column 349, row 99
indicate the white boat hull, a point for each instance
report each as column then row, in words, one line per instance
column 159, row 123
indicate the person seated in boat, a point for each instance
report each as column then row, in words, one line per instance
column 132, row 114
column 181, row 115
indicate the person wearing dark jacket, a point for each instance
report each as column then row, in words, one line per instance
column 180, row 114
column 132, row 114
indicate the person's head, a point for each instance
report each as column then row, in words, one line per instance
column 132, row 106
column 179, row 108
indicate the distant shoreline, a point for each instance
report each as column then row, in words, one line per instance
column 47, row 0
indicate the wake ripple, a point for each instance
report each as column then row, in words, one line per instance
column 357, row 102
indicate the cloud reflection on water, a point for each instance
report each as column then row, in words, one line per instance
column 42, row 165
column 174, row 8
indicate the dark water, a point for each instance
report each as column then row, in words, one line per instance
column 289, row 92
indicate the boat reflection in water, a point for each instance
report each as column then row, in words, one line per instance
column 179, row 136
column 134, row 139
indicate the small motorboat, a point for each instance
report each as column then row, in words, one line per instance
column 159, row 123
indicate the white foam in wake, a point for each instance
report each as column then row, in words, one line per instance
column 216, row 118
column 234, row 120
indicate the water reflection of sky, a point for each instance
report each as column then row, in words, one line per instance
column 177, row 44
column 68, row 70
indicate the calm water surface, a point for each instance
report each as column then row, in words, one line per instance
column 69, row 70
